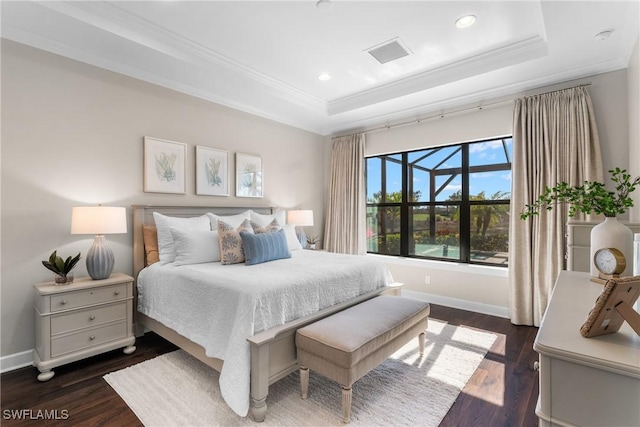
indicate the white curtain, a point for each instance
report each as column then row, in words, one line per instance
column 554, row 139
column 344, row 230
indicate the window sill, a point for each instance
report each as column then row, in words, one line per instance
column 485, row 270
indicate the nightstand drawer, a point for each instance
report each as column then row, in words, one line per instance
column 88, row 338
column 71, row 300
column 94, row 316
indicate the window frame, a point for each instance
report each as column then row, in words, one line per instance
column 464, row 204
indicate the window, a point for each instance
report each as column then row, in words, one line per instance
column 447, row 203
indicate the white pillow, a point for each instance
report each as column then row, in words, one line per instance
column 195, row 247
column 166, row 245
column 232, row 220
column 264, row 220
column 292, row 238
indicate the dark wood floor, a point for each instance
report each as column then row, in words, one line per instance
column 502, row 392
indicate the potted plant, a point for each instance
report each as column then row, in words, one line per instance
column 588, row 198
column 61, row 268
column 593, row 198
column 312, row 241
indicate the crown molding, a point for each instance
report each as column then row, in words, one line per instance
column 109, row 17
column 490, row 60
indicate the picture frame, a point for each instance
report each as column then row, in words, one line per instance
column 613, row 307
column 249, row 178
column 212, row 171
column 164, row 166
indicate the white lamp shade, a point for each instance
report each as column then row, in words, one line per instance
column 98, row 220
column 300, row 217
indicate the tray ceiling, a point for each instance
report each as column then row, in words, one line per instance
column 264, row 57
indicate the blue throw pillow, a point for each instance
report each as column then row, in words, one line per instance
column 259, row 248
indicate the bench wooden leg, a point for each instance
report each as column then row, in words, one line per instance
column 346, row 404
column 421, row 338
column 304, row 381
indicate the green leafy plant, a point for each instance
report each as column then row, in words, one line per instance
column 590, row 197
column 60, row 266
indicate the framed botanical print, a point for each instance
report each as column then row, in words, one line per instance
column 212, row 172
column 164, row 166
column 249, row 181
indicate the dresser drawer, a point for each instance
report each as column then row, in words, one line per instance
column 86, row 297
column 88, row 338
column 94, row 316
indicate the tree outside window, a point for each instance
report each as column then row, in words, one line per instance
column 448, row 203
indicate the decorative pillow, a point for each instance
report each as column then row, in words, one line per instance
column 167, row 250
column 259, row 248
column 195, row 247
column 231, row 251
column 264, row 220
column 292, row 238
column 269, row 228
column 150, row 236
column 232, row 220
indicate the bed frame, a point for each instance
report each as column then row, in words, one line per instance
column 273, row 352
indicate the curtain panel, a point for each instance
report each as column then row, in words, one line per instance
column 346, row 208
column 555, row 139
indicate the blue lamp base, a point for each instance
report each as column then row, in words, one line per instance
column 100, row 259
column 302, row 236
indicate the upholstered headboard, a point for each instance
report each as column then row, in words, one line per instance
column 143, row 215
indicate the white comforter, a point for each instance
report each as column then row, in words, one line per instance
column 220, row 306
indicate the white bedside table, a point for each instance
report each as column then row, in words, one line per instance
column 82, row 319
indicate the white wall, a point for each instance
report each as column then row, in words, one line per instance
column 72, row 136
column 485, row 289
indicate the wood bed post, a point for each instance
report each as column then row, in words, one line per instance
column 259, row 381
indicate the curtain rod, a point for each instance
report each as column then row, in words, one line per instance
column 433, row 116
column 463, row 110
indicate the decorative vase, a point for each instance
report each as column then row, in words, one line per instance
column 63, row 279
column 610, row 233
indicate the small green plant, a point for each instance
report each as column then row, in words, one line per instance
column 590, row 197
column 312, row 240
column 60, row 266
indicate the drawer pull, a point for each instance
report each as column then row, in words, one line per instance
column 63, row 302
column 92, row 317
column 116, row 293
column 92, row 337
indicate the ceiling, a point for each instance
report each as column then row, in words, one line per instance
column 264, row 57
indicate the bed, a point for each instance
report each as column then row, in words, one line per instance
column 256, row 340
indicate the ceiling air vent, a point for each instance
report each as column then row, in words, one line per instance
column 389, row 50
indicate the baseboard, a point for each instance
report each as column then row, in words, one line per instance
column 15, row 361
column 477, row 307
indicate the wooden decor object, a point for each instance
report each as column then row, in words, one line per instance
column 613, row 307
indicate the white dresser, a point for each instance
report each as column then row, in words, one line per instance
column 585, row 381
column 82, row 319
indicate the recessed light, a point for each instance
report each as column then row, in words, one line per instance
column 324, row 77
column 603, row 35
column 465, row 21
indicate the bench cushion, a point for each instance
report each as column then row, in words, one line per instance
column 350, row 336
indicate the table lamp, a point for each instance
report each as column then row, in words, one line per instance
column 99, row 220
column 301, row 218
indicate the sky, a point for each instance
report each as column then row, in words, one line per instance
column 480, row 153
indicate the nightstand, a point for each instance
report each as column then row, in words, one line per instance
column 82, row 319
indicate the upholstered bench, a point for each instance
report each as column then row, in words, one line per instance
column 347, row 345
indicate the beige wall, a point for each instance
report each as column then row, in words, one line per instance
column 72, row 135
column 478, row 288
column 633, row 78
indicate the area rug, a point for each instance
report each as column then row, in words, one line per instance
column 176, row 389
